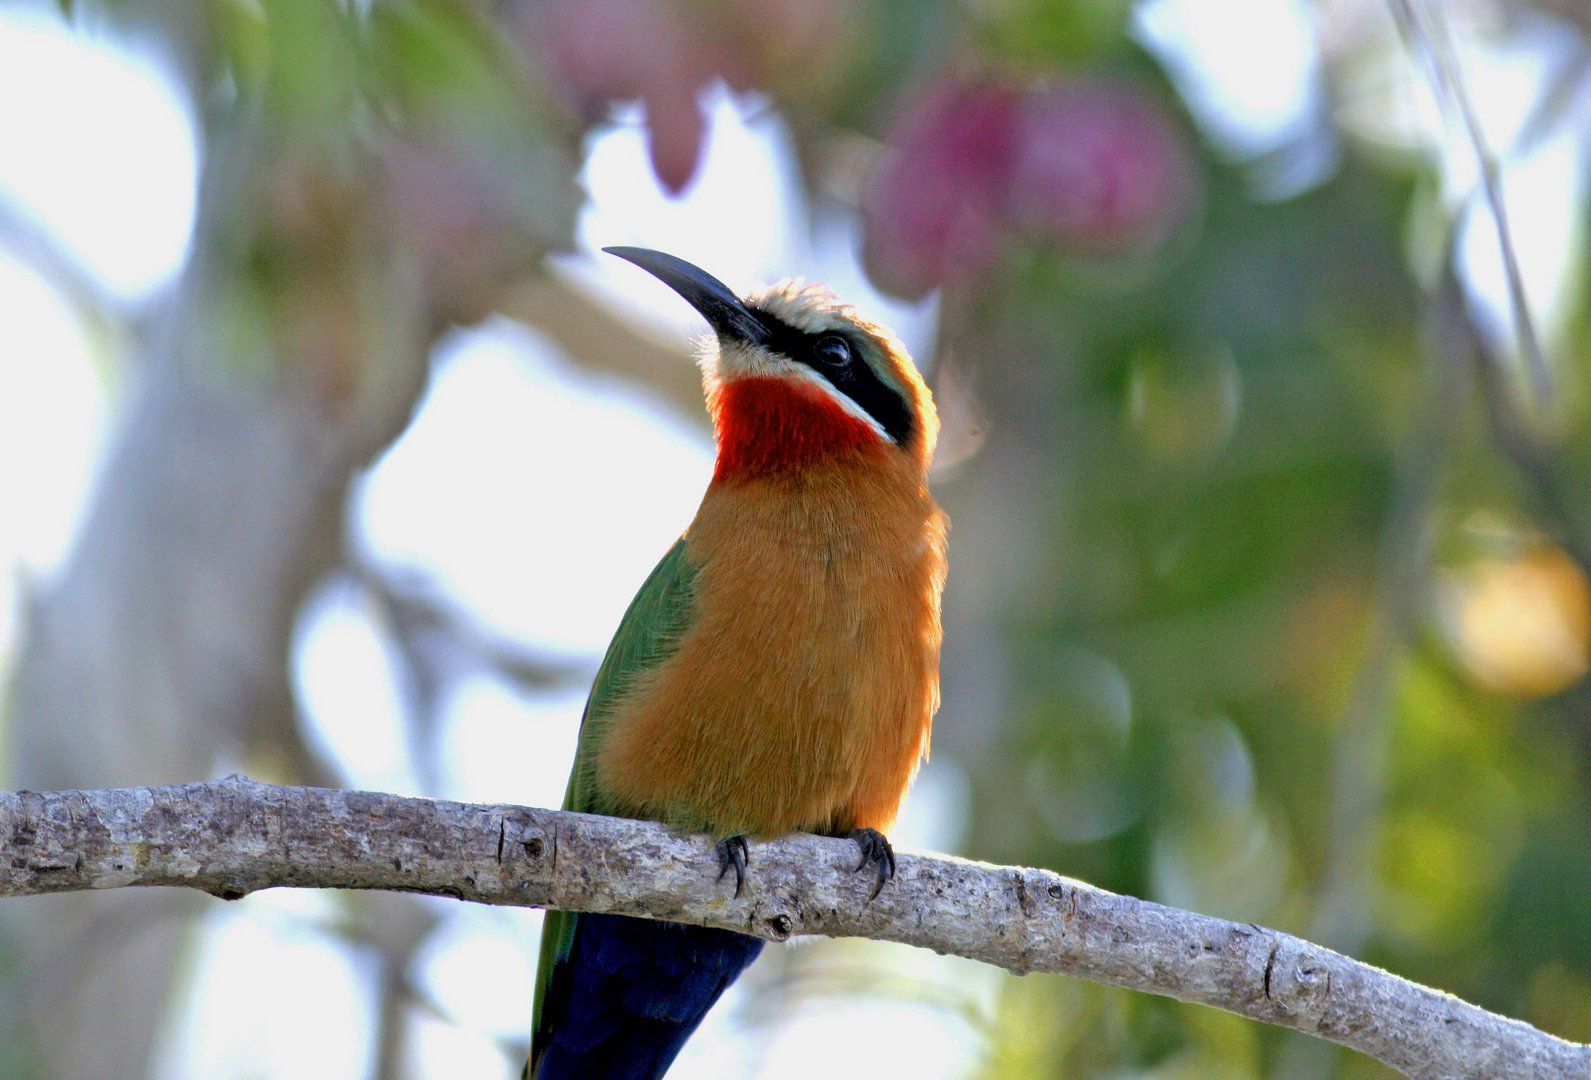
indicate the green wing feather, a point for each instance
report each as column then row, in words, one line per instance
column 656, row 618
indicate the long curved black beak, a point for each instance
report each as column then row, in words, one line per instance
column 729, row 317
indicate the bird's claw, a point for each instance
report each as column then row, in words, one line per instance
column 877, row 851
column 733, row 853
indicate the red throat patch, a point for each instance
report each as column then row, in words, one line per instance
column 768, row 424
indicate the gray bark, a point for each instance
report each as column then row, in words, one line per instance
column 231, row 837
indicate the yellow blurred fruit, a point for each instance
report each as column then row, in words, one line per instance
column 1522, row 625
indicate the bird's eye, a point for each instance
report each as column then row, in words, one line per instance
column 833, row 351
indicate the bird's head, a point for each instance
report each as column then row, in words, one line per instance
column 798, row 378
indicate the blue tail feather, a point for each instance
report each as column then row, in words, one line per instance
column 630, row 994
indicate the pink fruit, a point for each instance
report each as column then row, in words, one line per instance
column 1097, row 166
column 932, row 208
column 601, row 51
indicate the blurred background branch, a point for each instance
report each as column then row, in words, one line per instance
column 1428, row 35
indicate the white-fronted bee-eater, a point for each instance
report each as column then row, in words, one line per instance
column 779, row 669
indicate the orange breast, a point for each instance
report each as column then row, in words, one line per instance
column 801, row 697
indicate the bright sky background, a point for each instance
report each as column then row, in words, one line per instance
column 552, row 566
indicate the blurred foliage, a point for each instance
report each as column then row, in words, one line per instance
column 1267, row 595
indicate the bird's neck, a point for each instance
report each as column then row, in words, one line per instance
column 767, row 425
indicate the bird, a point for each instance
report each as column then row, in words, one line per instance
column 778, row 671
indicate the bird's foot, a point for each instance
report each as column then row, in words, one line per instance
column 876, row 851
column 733, row 853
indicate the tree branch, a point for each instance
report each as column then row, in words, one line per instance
column 230, row 837
column 1421, row 27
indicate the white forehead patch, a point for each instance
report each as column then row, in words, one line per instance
column 811, row 309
